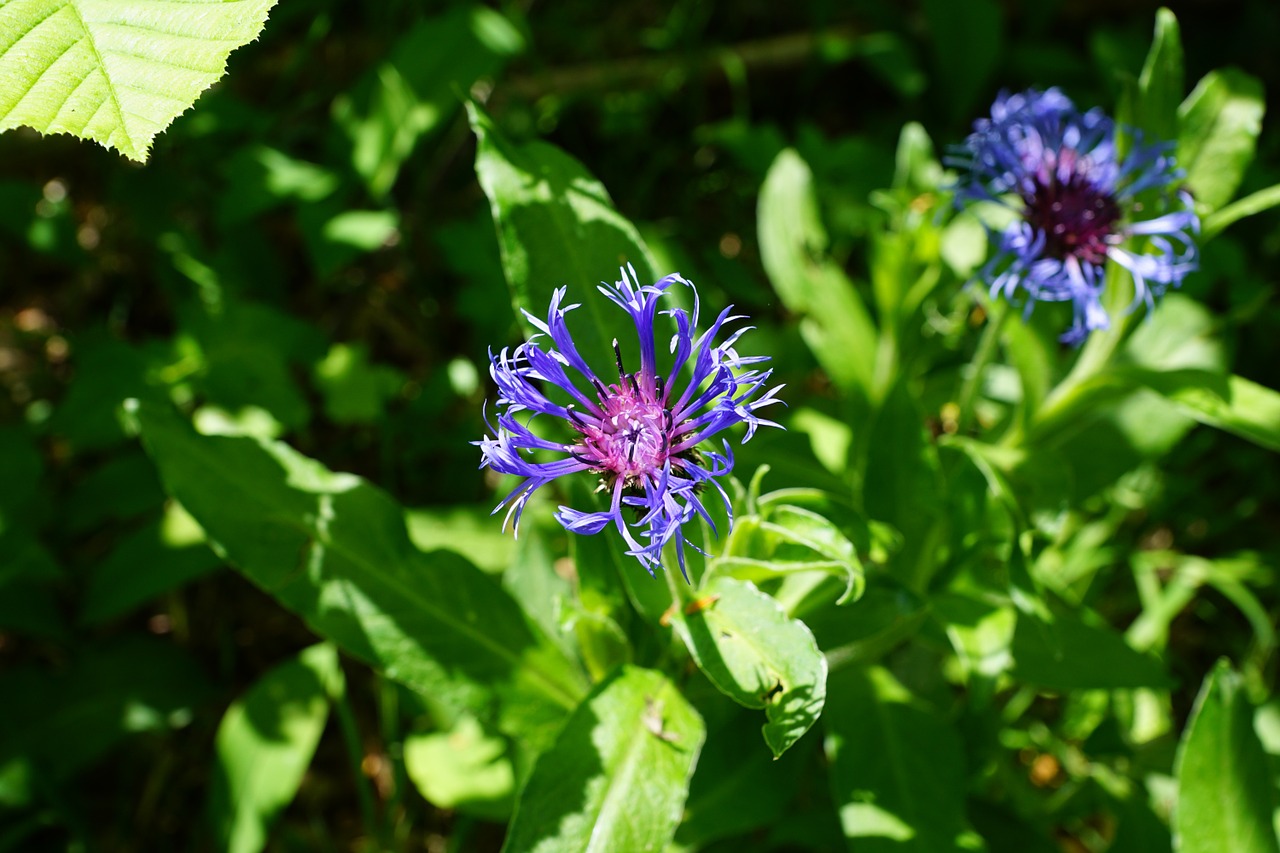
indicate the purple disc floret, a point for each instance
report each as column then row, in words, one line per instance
column 639, row 435
column 1077, row 200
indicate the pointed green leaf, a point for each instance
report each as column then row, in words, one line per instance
column 1230, row 403
column 755, row 654
column 793, row 245
column 618, row 774
column 115, row 71
column 897, row 768
column 1162, row 81
column 1225, row 792
column 335, row 550
column 1220, row 121
column 265, row 743
column 557, row 227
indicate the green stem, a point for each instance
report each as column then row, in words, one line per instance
column 355, row 754
column 987, row 346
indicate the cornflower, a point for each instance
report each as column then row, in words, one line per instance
column 1076, row 197
column 640, row 435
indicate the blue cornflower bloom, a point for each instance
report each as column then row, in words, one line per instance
column 1075, row 194
column 641, row 434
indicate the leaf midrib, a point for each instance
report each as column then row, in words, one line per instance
column 550, row 686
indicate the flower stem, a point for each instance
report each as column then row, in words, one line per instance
column 987, row 346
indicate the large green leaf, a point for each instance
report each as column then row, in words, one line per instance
column 335, row 550
column 1065, row 655
column 115, row 71
column 793, row 245
column 897, row 769
column 755, row 654
column 1225, row 793
column 618, row 775
column 557, row 227
column 265, row 743
column 1220, row 121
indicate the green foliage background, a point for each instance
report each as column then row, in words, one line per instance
column 262, row 602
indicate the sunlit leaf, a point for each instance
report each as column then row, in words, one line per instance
column 793, row 246
column 558, row 227
column 464, row 768
column 264, row 744
column 1225, row 792
column 335, row 550
column 115, row 71
column 1220, row 121
column 618, row 774
column 754, row 653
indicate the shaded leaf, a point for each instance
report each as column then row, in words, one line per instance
column 897, row 769
column 1065, row 655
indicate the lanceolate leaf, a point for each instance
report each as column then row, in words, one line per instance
column 115, row 71
column 557, row 227
column 793, row 245
column 897, row 768
column 618, row 774
column 1225, row 791
column 758, row 656
column 335, row 550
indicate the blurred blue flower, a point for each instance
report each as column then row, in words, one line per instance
column 640, row 435
column 1076, row 196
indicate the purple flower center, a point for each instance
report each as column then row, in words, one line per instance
column 634, row 435
column 1075, row 215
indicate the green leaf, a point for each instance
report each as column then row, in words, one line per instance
column 756, row 655
column 335, row 550
column 618, row 774
column 557, row 227
column 785, row 540
column 736, row 790
column 1230, row 403
column 355, row 391
column 1220, row 121
column 1225, row 792
column 159, row 557
column 1065, row 655
column 416, row 90
column 1162, row 81
column 897, row 768
column 265, row 743
column 464, row 769
column 115, row 71
column 1251, row 204
column 835, row 322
